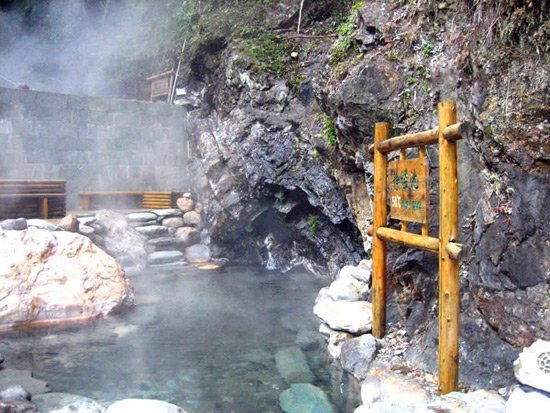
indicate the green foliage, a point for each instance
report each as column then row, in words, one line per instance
column 328, row 131
column 344, row 46
column 313, row 224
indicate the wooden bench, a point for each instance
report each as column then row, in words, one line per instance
column 143, row 199
column 32, row 198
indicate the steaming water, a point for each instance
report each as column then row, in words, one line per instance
column 204, row 340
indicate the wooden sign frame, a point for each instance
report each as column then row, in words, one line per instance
column 408, row 183
column 446, row 245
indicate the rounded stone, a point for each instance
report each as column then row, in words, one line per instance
column 18, row 224
column 69, row 223
column 190, row 236
column 173, row 222
column 51, row 402
column 143, row 406
column 198, row 253
column 192, row 219
column 185, row 204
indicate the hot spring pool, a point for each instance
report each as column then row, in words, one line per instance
column 202, row 339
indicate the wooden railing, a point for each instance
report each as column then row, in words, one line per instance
column 409, row 198
column 32, row 198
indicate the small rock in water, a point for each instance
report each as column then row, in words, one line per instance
column 14, row 393
column 65, row 402
column 308, row 340
column 69, row 223
column 478, row 401
column 305, row 397
column 521, row 401
column 292, row 365
column 18, row 224
column 533, row 365
column 164, row 257
column 143, row 406
column 17, row 406
column 198, row 253
column 357, row 355
column 23, row 378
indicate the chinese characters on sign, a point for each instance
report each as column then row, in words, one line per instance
column 408, row 190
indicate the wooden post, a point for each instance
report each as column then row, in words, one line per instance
column 422, row 155
column 448, row 268
column 43, row 207
column 381, row 133
column 85, row 201
column 402, row 157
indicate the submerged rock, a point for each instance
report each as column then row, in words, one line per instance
column 533, row 365
column 292, row 365
column 198, row 253
column 352, row 316
column 164, row 257
column 308, row 340
column 64, row 402
column 10, row 378
column 478, row 401
column 143, row 406
column 305, row 397
column 64, row 275
column 357, row 355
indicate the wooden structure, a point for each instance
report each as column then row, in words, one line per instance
column 161, row 86
column 409, row 202
column 32, row 198
column 142, row 199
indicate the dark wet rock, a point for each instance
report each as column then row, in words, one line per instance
column 69, row 223
column 67, row 402
column 198, row 253
column 14, row 393
column 1, row 360
column 164, row 257
column 23, row 378
column 18, row 224
column 141, row 217
column 152, row 231
column 305, row 397
column 292, row 365
column 357, row 355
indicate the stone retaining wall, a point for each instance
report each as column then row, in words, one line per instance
column 95, row 143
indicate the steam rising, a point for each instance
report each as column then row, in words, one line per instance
column 100, row 48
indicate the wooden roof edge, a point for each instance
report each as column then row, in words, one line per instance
column 154, row 77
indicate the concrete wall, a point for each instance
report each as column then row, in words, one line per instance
column 94, row 143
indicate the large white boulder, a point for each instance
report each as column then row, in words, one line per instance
column 143, row 406
column 56, row 276
column 352, row 316
column 533, row 365
column 361, row 273
column 521, row 401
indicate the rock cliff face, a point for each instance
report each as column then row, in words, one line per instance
column 283, row 148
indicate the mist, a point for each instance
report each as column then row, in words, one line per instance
column 98, row 48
